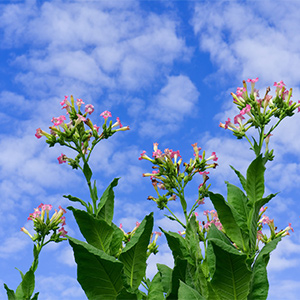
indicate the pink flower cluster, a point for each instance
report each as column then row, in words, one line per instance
column 38, row 217
column 212, row 218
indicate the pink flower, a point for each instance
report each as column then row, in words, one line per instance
column 291, row 228
column 204, row 173
column 89, row 108
column 240, row 91
column 201, row 201
column 62, row 159
column 63, row 221
column 279, row 84
column 79, row 102
column 38, row 133
column 65, row 101
column 196, row 214
column 142, row 155
column 105, row 114
column 80, row 118
column 121, row 226
column 213, row 157
column 119, row 122
column 252, row 80
column 96, row 127
column 46, row 207
column 62, row 231
column 238, row 119
column 158, row 233
column 57, row 121
column 246, row 109
column 265, row 220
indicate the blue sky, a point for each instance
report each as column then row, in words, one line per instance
column 167, row 69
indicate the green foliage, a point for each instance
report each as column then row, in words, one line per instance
column 231, row 277
column 99, row 274
column 134, row 255
column 96, row 232
column 105, row 209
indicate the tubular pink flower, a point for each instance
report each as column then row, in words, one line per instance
column 79, row 102
column 65, row 101
column 246, row 109
column 96, row 127
column 142, row 155
column 252, row 80
column 89, row 108
column 62, row 231
column 213, row 157
column 238, row 119
column 59, row 120
column 39, row 133
column 119, row 122
column 291, row 228
column 105, row 114
column 62, row 159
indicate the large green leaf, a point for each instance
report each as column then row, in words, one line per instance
column 255, row 185
column 177, row 244
column 186, row 292
column 259, row 285
column 156, row 291
column 237, row 199
column 134, row 255
column 116, row 240
column 99, row 274
column 105, row 210
column 192, row 240
column 166, row 277
column 28, row 283
column 214, row 233
column 178, row 273
column 231, row 277
column 96, row 232
column 227, row 218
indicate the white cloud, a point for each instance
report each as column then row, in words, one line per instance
column 14, row 244
column 90, row 47
column 175, row 101
column 247, row 40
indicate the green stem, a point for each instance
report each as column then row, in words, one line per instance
column 174, row 216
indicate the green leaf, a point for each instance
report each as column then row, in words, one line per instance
column 231, row 277
column 177, row 244
column 75, row 199
column 214, row 233
column 96, row 232
column 134, row 255
column 227, row 218
column 105, row 210
column 10, row 293
column 259, row 285
column 126, row 295
column 35, row 297
column 192, row 240
column 186, row 292
column 99, row 274
column 166, row 277
column 156, row 291
column 241, row 177
column 116, row 241
column 255, row 185
column 237, row 199
column 87, row 172
column 28, row 283
column 178, row 273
